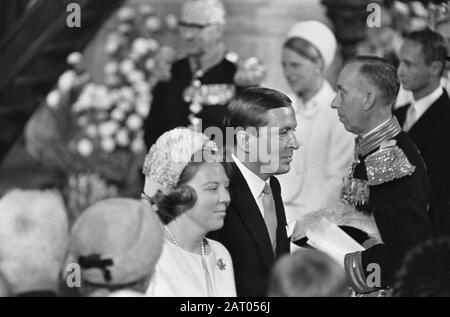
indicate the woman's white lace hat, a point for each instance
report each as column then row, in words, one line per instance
column 171, row 153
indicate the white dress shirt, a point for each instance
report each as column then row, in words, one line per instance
column 419, row 107
column 254, row 182
column 325, row 155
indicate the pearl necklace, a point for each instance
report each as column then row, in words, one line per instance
column 209, row 285
column 175, row 241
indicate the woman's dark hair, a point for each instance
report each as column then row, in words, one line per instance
column 182, row 197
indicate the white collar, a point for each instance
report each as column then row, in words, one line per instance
column 423, row 104
column 254, row 182
column 376, row 128
column 315, row 101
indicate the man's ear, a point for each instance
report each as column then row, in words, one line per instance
column 369, row 100
column 242, row 140
column 436, row 68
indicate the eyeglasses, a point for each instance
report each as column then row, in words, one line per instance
column 193, row 26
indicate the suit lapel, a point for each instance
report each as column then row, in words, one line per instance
column 427, row 122
column 247, row 209
column 283, row 245
column 400, row 113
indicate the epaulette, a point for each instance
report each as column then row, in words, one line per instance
column 387, row 163
column 232, row 57
column 250, row 72
column 209, row 95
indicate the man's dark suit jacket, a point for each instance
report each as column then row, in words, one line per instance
column 431, row 134
column 169, row 110
column 245, row 236
column 400, row 211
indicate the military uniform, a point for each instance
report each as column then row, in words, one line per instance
column 388, row 179
column 190, row 96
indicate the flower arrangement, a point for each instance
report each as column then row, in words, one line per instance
column 92, row 132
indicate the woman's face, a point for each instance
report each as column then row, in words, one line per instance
column 300, row 72
column 211, row 186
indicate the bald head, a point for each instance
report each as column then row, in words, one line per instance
column 204, row 11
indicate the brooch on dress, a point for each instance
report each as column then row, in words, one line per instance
column 221, row 264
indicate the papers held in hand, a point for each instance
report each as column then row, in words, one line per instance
column 330, row 239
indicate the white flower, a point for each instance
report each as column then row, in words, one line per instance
column 67, row 80
column 127, row 93
column 146, row 9
column 108, row 145
column 139, row 46
column 143, row 108
column 150, row 64
column 82, row 121
column 126, row 66
column 118, row 114
column 138, row 146
column 124, row 28
column 135, row 76
column 102, row 98
column 53, row 99
column 85, row 147
column 152, row 45
column 111, row 48
column 122, row 137
column 111, row 67
column 134, row 122
column 108, row 128
column 112, row 80
column 142, row 88
column 153, row 23
column 91, row 131
column 74, row 58
column 171, row 21
column 126, row 14
column 85, row 101
column 124, row 106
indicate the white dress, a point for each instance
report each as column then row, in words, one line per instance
column 180, row 273
column 323, row 159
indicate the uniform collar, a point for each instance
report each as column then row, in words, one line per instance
column 372, row 140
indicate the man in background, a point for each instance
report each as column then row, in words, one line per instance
column 427, row 118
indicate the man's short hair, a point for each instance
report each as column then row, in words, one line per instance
column 434, row 45
column 307, row 273
column 425, row 271
column 249, row 107
column 380, row 74
column 34, row 238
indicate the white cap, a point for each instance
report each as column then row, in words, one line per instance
column 319, row 35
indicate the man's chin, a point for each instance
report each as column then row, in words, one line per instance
column 283, row 169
